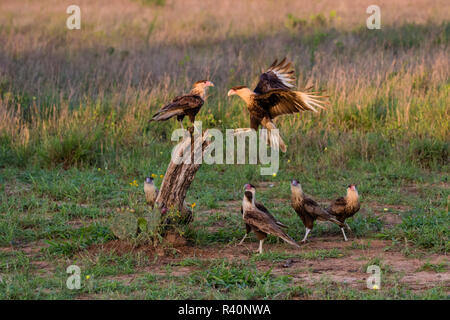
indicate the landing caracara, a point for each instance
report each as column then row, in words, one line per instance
column 345, row 207
column 308, row 210
column 273, row 96
column 187, row 105
column 259, row 220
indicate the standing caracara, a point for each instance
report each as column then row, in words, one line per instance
column 187, row 105
column 259, row 219
column 151, row 192
column 308, row 210
column 345, row 207
column 273, row 96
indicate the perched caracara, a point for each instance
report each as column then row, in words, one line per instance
column 187, row 105
column 259, row 219
column 273, row 96
column 151, row 192
column 345, row 207
column 307, row 209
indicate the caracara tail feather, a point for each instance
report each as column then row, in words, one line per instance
column 289, row 240
column 162, row 116
column 259, row 220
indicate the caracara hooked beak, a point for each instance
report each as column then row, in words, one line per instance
column 352, row 187
column 148, row 180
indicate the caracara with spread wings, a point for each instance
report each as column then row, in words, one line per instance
column 273, row 97
column 345, row 207
column 259, row 220
column 308, row 210
column 187, row 105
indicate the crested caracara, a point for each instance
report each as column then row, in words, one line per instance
column 273, row 96
column 259, row 219
column 151, row 192
column 345, row 207
column 187, row 105
column 308, row 210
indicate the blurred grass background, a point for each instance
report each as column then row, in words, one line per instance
column 84, row 97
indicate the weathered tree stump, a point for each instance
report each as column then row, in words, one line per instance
column 179, row 177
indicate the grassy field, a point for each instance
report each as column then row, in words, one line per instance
column 74, row 135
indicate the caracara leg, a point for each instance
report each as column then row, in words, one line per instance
column 275, row 140
column 181, row 124
column 260, row 250
column 343, row 232
column 348, row 227
column 242, row 241
column 306, row 235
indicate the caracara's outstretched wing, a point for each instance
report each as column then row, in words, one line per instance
column 279, row 102
column 178, row 106
column 262, row 222
column 314, row 209
column 278, row 76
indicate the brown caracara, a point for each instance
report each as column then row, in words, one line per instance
column 151, row 192
column 187, row 105
column 308, row 210
column 345, row 207
column 260, row 220
column 273, row 96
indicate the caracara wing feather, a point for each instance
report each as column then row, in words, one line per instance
column 259, row 220
column 178, row 106
column 261, row 207
column 314, row 209
column 279, row 102
column 278, row 76
column 337, row 207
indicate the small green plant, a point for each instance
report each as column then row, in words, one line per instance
column 434, row 267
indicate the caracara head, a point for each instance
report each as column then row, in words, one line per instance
column 249, row 191
column 203, row 84
column 242, row 91
column 296, row 188
column 149, row 180
column 352, row 189
column 200, row 87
